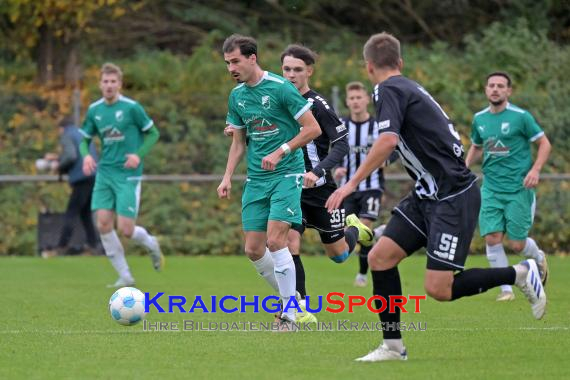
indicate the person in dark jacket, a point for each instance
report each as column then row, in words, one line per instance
column 70, row 162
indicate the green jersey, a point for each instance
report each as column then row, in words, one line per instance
column 120, row 127
column 269, row 111
column 505, row 138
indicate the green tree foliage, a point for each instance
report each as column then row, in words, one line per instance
column 187, row 95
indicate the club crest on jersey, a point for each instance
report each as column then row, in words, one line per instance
column 119, row 115
column 265, row 102
column 505, row 128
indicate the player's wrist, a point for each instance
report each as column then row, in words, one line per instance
column 285, row 149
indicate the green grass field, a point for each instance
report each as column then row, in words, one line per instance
column 55, row 324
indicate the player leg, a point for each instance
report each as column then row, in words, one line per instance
column 519, row 216
column 452, row 223
column 103, row 202
column 492, row 226
column 368, row 209
column 128, row 201
column 285, row 210
column 255, row 212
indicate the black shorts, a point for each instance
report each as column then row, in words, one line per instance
column 330, row 226
column 365, row 204
column 445, row 227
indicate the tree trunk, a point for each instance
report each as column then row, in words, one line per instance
column 45, row 55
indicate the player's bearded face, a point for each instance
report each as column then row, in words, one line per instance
column 497, row 90
column 110, row 86
column 239, row 66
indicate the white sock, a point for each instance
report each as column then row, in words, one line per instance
column 285, row 275
column 498, row 259
column 395, row 344
column 116, row 254
column 264, row 267
column 521, row 273
column 142, row 237
column 531, row 251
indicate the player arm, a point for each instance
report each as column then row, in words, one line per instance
column 474, row 154
column 237, row 150
column 150, row 137
column 338, row 151
column 377, row 156
column 309, row 132
column 543, row 153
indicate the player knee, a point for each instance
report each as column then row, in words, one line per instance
column 254, row 254
column 104, row 227
column 517, row 245
column 275, row 245
column 438, row 293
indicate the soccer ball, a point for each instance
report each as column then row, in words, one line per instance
column 127, row 306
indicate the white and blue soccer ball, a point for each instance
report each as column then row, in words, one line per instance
column 127, row 306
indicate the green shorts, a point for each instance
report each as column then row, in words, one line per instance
column 120, row 194
column 510, row 213
column 278, row 199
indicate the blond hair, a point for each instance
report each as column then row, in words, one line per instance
column 111, row 68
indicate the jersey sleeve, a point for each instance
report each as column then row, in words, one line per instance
column 475, row 136
column 532, row 130
column 328, row 121
column 233, row 118
column 88, row 129
column 389, row 111
column 142, row 121
column 293, row 101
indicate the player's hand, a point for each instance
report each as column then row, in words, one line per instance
column 89, row 165
column 133, row 161
column 336, row 198
column 339, row 173
column 229, row 130
column 224, row 189
column 270, row 161
column 531, row 179
column 309, row 180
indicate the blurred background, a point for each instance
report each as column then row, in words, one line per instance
column 170, row 52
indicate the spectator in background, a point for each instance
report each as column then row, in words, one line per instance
column 70, row 162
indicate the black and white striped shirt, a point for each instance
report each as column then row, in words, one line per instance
column 429, row 147
column 361, row 137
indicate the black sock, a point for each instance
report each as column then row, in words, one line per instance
column 351, row 237
column 387, row 283
column 300, row 273
column 479, row 280
column 363, row 259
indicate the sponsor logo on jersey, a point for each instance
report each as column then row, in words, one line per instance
column 340, row 128
column 496, row 147
column 112, row 134
column 383, row 125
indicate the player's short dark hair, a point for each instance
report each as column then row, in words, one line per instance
column 300, row 52
column 503, row 74
column 383, row 51
column 111, row 68
column 246, row 45
column 355, row 85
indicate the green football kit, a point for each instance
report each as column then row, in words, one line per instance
column 120, row 127
column 269, row 111
column 505, row 137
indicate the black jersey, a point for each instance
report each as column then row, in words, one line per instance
column 429, row 146
column 316, row 151
column 361, row 137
